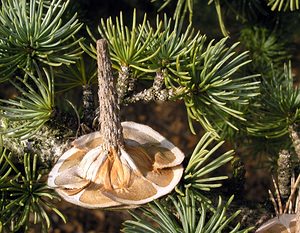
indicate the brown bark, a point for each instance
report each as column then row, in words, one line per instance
column 284, row 173
column 156, row 92
column 295, row 139
column 123, row 83
column 109, row 119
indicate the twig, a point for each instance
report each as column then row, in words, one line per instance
column 295, row 139
column 156, row 92
column 284, row 172
column 124, row 84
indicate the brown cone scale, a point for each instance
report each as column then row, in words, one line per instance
column 149, row 167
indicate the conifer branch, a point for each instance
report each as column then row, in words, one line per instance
column 125, row 83
column 156, row 92
column 34, row 33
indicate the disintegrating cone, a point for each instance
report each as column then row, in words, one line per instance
column 149, row 166
column 284, row 223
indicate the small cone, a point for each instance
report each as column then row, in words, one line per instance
column 149, row 167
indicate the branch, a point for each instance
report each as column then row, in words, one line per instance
column 49, row 142
column 125, row 83
column 156, row 92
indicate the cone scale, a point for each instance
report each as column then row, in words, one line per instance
column 120, row 166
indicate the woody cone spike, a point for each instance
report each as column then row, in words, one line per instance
column 122, row 165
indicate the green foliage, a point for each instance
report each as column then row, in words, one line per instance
column 214, row 94
column 128, row 47
column 190, row 210
column 184, row 7
column 198, row 173
column 172, row 49
column 214, row 80
column 266, row 49
column 205, row 72
column 243, row 10
column 246, row 10
column 278, row 108
column 146, row 48
column 183, row 214
column 284, row 5
column 32, row 108
column 84, row 72
column 32, row 32
column 202, row 164
column 24, row 195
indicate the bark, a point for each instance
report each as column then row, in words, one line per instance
column 295, row 139
column 109, row 119
column 284, row 173
column 123, row 83
column 88, row 105
column 49, row 142
column 154, row 93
